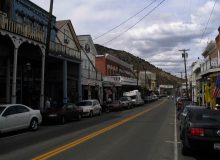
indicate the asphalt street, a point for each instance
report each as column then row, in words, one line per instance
column 142, row 133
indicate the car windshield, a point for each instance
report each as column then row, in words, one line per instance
column 2, row 109
column 123, row 99
column 84, row 103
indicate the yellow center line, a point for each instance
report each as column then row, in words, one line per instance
column 74, row 143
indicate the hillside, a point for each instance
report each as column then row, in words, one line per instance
column 140, row 64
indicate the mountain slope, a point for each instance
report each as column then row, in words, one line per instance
column 163, row 77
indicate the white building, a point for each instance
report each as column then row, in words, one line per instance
column 91, row 79
column 148, row 80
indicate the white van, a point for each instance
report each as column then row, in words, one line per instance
column 135, row 96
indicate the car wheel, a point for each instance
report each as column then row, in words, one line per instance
column 91, row 114
column 79, row 117
column 185, row 147
column 100, row 112
column 63, row 120
column 34, row 124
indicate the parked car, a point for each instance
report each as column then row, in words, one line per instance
column 182, row 116
column 90, row 107
column 182, row 102
column 135, row 97
column 201, row 130
column 116, row 105
column 64, row 113
column 17, row 116
column 126, row 102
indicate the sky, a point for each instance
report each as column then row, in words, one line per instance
column 156, row 34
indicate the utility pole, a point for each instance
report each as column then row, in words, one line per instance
column 184, row 56
column 180, row 90
column 49, row 28
column 48, row 40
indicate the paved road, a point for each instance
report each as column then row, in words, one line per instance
column 142, row 133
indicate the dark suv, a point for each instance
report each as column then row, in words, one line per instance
column 61, row 114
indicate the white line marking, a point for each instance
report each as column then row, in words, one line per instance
column 172, row 142
column 175, row 137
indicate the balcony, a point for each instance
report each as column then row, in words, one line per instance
column 59, row 49
column 88, row 74
column 24, row 30
column 38, row 35
column 210, row 65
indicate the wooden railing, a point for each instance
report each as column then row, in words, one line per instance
column 60, row 49
column 30, row 32
column 21, row 29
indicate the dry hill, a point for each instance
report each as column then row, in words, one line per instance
column 140, row 64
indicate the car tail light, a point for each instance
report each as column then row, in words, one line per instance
column 197, row 131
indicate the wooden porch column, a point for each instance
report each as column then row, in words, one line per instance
column 14, row 82
column 42, row 80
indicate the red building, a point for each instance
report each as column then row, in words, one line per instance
column 118, row 76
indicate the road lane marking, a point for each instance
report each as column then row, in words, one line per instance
column 74, row 143
column 172, row 142
column 175, row 137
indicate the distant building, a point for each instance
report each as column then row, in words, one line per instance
column 148, row 80
column 118, row 76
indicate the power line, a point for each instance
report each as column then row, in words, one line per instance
column 208, row 21
column 101, row 35
column 135, row 23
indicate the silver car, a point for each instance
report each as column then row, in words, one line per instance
column 18, row 116
column 126, row 102
column 90, row 107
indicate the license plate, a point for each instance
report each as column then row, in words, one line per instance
column 217, row 146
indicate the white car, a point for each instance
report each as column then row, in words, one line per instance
column 90, row 107
column 18, row 116
column 126, row 102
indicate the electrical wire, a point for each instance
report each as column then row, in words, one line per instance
column 135, row 23
column 203, row 33
column 101, row 35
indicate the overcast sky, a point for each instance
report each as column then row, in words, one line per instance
column 174, row 25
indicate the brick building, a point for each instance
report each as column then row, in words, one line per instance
column 118, row 76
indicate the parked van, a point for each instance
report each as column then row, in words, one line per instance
column 135, row 96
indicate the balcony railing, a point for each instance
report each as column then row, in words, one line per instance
column 21, row 29
column 33, row 33
column 210, row 64
column 91, row 75
column 60, row 49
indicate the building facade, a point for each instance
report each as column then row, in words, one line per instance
column 23, row 62
column 91, row 78
column 148, row 80
column 118, row 76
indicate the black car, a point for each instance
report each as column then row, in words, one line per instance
column 115, row 106
column 183, row 114
column 62, row 114
column 201, row 130
column 182, row 102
